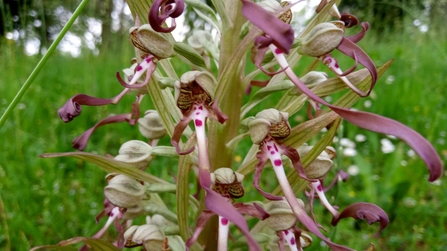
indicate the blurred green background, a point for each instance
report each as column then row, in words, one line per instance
column 44, row 201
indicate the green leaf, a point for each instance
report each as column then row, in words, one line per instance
column 263, row 93
column 189, row 55
column 95, row 244
column 109, row 165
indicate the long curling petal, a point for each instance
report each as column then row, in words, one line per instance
column 281, row 33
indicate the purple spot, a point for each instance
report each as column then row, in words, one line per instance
column 111, row 214
column 148, row 60
column 329, row 61
column 224, row 221
column 336, row 65
column 272, row 152
column 269, row 147
column 292, row 241
column 197, row 113
column 198, row 122
column 139, row 68
column 276, row 148
column 278, row 51
column 320, row 188
column 286, row 232
column 277, row 162
column 195, row 108
column 200, row 107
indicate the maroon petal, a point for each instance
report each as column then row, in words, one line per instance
column 178, row 130
column 204, row 217
column 294, row 156
column 107, row 209
column 262, row 159
column 359, row 36
column 367, row 211
column 377, row 123
column 81, row 142
column 220, row 116
column 161, row 10
column 349, row 19
column 352, row 50
column 281, row 33
column 254, row 210
column 340, row 176
column 72, row 107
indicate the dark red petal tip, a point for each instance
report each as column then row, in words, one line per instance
column 367, row 211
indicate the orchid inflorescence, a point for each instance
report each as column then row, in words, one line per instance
column 205, row 107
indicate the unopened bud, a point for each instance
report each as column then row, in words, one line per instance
column 281, row 215
column 151, row 126
column 151, row 42
column 321, row 165
column 322, row 39
column 125, row 192
column 149, row 236
column 135, row 152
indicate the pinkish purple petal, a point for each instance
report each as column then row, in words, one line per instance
column 72, row 108
column 163, row 9
column 377, row 123
column 262, row 159
column 220, row 116
column 178, row 130
column 281, row 33
column 340, row 176
column 367, row 211
column 254, row 210
column 221, row 206
column 352, row 50
column 204, row 217
column 81, row 142
column 294, row 156
column 149, row 73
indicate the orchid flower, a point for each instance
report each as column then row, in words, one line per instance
column 227, row 184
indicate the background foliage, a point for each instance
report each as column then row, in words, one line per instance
column 43, row 201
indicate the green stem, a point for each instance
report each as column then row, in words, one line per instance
column 41, row 63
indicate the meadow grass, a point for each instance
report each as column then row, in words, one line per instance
column 44, row 201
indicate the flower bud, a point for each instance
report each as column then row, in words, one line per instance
column 135, row 152
column 150, row 236
column 151, row 42
column 321, row 165
column 322, row 39
column 123, row 191
column 151, row 126
column 157, row 219
column 269, row 121
column 134, row 212
column 281, row 215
